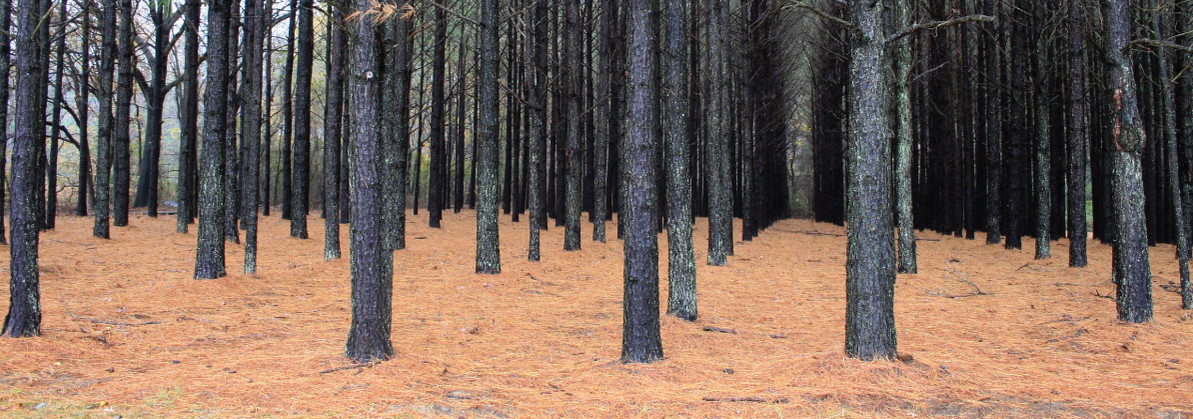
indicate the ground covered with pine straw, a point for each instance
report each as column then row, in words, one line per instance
column 982, row 332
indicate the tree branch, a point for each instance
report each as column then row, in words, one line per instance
column 823, row 15
column 455, row 13
column 1161, row 43
column 937, row 24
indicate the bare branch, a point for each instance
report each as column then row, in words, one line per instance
column 937, row 24
column 823, row 15
column 1161, row 44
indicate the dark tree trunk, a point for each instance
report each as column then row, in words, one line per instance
column 681, row 261
column 209, row 258
column 337, row 45
column 1132, row 271
column 641, row 341
column 302, row 121
column 148, row 179
column 418, row 137
column 81, row 100
column 267, row 115
column 536, row 91
column 231, row 158
column 1171, row 167
column 24, row 304
column 368, row 338
column 124, row 95
column 720, row 194
column 187, row 169
column 396, row 133
column 287, row 170
column 1078, row 137
column 1018, row 116
column 103, row 170
column 458, row 149
column 255, row 18
column 51, row 209
column 5, row 50
column 604, row 120
column 572, row 202
column 993, row 70
column 1043, row 143
column 902, row 122
column 488, row 254
column 436, row 180
column 870, row 265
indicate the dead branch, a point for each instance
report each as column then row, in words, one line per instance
column 937, row 24
column 114, row 323
column 718, row 329
column 349, row 367
column 823, row 15
column 751, row 399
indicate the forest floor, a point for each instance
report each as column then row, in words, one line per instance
column 983, row 332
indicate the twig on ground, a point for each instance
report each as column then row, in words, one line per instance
column 752, row 399
column 348, row 367
column 718, row 329
column 115, row 323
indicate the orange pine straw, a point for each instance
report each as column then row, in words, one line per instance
column 127, row 331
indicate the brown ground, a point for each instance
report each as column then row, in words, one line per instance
column 127, row 331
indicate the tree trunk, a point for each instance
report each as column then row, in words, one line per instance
column 681, row 261
column 720, row 194
column 52, row 168
column 103, row 170
column 209, row 257
column 231, row 158
column 572, row 202
column 993, row 70
column 536, row 90
column 124, row 95
column 337, row 46
column 641, row 341
column 24, row 304
column 302, row 121
column 900, row 78
column 1168, row 113
column 81, row 100
column 287, row 197
column 187, row 169
column 1078, row 137
column 870, row 263
column 488, row 254
column 368, row 338
column 256, row 17
column 1132, row 271
column 436, row 180
column 1043, row 143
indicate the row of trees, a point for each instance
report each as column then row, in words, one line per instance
column 665, row 111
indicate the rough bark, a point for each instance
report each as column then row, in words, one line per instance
column 1078, row 141
column 287, row 168
column 103, row 164
column 572, row 200
column 187, row 169
column 24, row 309
column 302, row 120
column 255, row 17
column 436, row 180
column 488, row 254
column 720, row 194
column 681, row 261
column 124, row 95
column 81, row 100
column 209, row 255
column 901, row 120
column 337, row 45
column 536, row 67
column 641, row 341
column 870, row 264
column 1132, row 271
column 369, row 336
column 1043, row 143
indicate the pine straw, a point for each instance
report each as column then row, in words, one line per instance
column 544, row 339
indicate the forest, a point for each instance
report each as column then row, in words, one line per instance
column 495, row 208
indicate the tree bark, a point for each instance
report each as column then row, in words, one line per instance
column 488, row 252
column 337, row 46
column 103, row 170
column 720, row 194
column 369, row 336
column 255, row 18
column 1132, row 271
column 1078, row 141
column 24, row 309
column 681, row 261
column 870, row 264
column 436, row 180
column 209, row 257
column 302, row 120
column 641, row 341
column 187, row 169
column 124, row 95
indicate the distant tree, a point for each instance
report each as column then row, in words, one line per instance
column 641, row 341
column 536, row 88
column 681, row 268
column 901, row 121
column 368, row 338
column 1132, row 271
column 122, row 177
column 1078, row 141
column 255, row 17
column 83, row 79
column 572, row 162
column 488, row 251
column 435, row 179
column 602, row 118
column 287, row 197
column 717, row 159
column 189, row 143
column 103, row 163
column 337, row 44
column 51, row 210
column 1043, row 143
column 209, row 258
column 162, row 16
column 24, row 309
column 302, row 120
